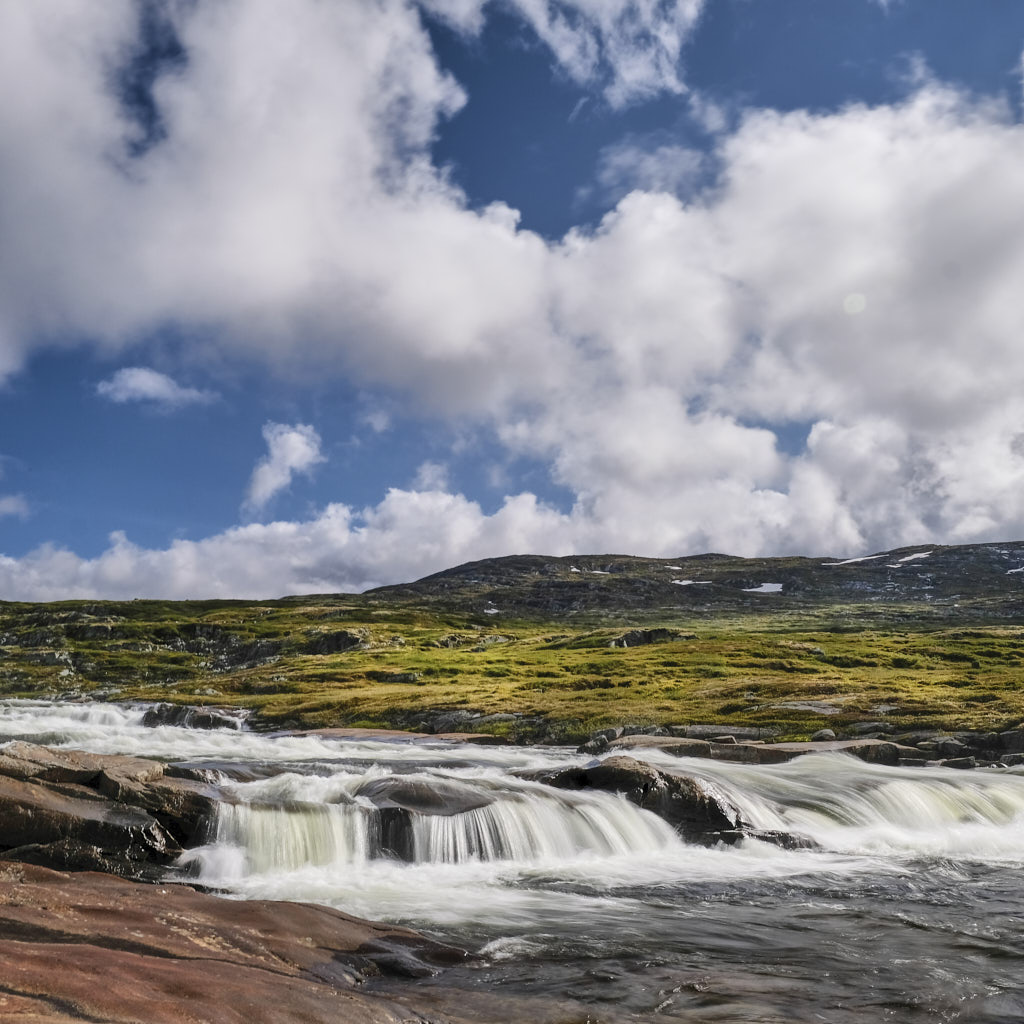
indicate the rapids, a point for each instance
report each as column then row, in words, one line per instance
column 907, row 909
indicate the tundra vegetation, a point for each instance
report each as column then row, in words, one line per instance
column 552, row 649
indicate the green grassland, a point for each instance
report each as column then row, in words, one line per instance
column 350, row 661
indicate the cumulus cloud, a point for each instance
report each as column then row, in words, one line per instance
column 291, row 214
column 290, row 450
column 407, row 533
column 140, row 384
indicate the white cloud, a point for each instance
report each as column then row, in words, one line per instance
column 140, row 384
column 14, row 505
column 290, row 450
column 408, row 533
column 431, row 476
column 631, row 49
column 292, row 214
column 629, row 165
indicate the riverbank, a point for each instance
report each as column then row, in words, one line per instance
column 825, row 887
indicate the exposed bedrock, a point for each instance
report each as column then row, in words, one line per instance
column 95, row 947
column 69, row 809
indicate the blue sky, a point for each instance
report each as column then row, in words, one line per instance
column 319, row 296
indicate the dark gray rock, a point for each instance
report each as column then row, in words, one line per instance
column 1012, row 741
column 640, row 637
column 439, row 797
column 407, row 678
column 823, row 734
column 190, row 717
column 689, row 805
column 69, row 809
column 336, row 641
column 863, row 728
column 741, row 732
column 959, row 762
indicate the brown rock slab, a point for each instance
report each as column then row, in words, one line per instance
column 95, row 947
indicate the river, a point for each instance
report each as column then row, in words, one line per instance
column 908, row 909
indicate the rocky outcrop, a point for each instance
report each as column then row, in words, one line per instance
column 336, row 642
column 640, row 637
column 94, row 947
column 191, row 717
column 694, row 808
column 688, row 804
column 69, row 809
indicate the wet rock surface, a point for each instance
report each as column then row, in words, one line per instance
column 125, row 815
column 689, row 805
column 94, row 947
column 191, row 717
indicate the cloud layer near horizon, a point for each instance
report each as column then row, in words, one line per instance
column 852, row 274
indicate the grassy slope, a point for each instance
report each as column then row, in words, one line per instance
column 731, row 667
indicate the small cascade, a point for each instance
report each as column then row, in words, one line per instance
column 531, row 829
column 845, row 804
column 57, row 723
column 523, row 825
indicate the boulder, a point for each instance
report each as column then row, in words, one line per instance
column 690, row 805
column 191, row 717
column 438, row 797
column 639, row 637
column 823, row 734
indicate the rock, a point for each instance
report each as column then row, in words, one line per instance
column 95, row 947
column 823, row 734
column 741, row 732
column 978, row 740
column 863, row 728
column 690, row 805
column 336, row 642
column 440, row 797
column 393, row 677
column 639, row 637
column 37, row 816
column 65, row 808
column 595, row 745
column 913, row 739
column 959, row 762
column 1012, row 741
column 191, row 717
column 679, row 747
column 723, row 739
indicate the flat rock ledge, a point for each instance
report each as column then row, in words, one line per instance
column 875, row 751
column 88, row 946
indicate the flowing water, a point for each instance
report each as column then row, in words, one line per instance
column 909, row 909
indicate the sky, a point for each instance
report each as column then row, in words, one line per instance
column 319, row 296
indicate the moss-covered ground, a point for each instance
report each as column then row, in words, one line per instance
column 403, row 664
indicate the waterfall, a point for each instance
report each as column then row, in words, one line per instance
column 847, row 805
column 513, row 821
